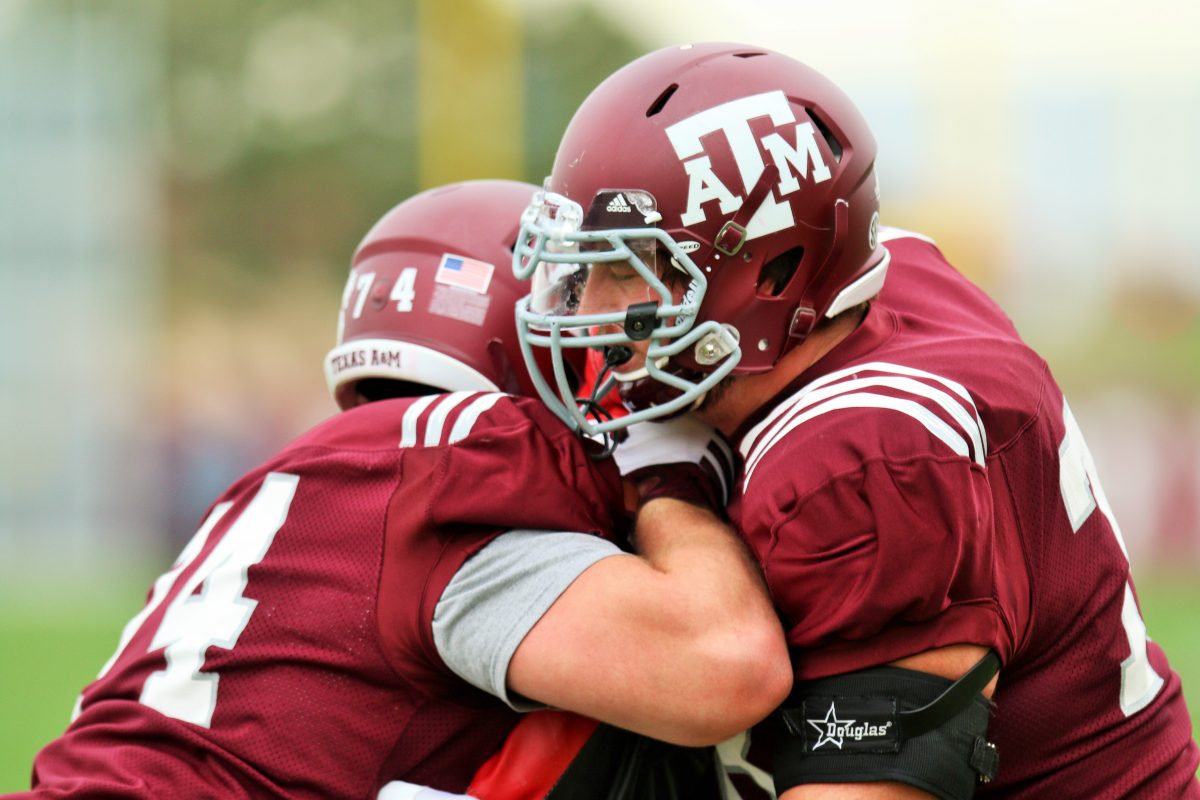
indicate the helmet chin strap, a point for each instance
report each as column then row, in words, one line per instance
column 614, row 356
column 729, row 241
column 646, row 392
column 805, row 318
column 732, row 236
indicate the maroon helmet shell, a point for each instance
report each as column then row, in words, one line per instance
column 751, row 156
column 430, row 296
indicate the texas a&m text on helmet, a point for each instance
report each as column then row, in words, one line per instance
column 715, row 201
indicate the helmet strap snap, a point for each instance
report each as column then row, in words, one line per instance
column 803, row 321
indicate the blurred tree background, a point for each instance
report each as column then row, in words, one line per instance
column 181, row 188
column 230, row 158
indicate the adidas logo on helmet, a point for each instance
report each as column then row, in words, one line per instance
column 619, row 204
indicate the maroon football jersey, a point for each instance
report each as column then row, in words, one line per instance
column 925, row 484
column 289, row 651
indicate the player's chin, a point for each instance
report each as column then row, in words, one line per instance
column 633, row 370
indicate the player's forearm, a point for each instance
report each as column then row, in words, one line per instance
column 719, row 611
column 705, row 559
column 680, row 644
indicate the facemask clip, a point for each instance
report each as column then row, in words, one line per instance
column 641, row 319
column 716, row 345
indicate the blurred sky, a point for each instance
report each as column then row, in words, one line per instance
column 181, row 187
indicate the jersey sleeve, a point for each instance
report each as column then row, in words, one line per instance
column 498, row 595
column 886, row 561
column 514, row 467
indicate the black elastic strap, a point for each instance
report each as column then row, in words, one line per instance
column 946, row 706
column 890, row 724
column 951, row 702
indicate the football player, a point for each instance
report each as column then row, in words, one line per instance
column 915, row 486
column 370, row 608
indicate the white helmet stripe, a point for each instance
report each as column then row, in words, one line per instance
column 402, row 361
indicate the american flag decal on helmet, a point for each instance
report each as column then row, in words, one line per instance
column 464, row 273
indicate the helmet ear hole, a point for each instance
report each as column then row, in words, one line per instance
column 777, row 274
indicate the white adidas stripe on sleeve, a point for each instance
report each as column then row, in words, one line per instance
column 442, row 406
column 833, row 392
column 408, row 426
column 470, row 415
column 437, row 418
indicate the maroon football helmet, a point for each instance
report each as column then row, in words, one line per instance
column 429, row 302
column 746, row 174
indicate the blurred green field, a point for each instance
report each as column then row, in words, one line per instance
column 48, row 653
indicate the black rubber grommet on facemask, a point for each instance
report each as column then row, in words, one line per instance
column 640, row 320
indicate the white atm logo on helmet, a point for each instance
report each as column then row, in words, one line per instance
column 733, row 119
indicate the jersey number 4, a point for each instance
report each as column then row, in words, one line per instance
column 208, row 608
column 1082, row 495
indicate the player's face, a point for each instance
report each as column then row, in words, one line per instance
column 612, row 287
column 617, row 285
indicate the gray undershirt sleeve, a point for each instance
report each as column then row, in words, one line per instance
column 499, row 594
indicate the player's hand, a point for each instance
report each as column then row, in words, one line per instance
column 681, row 458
